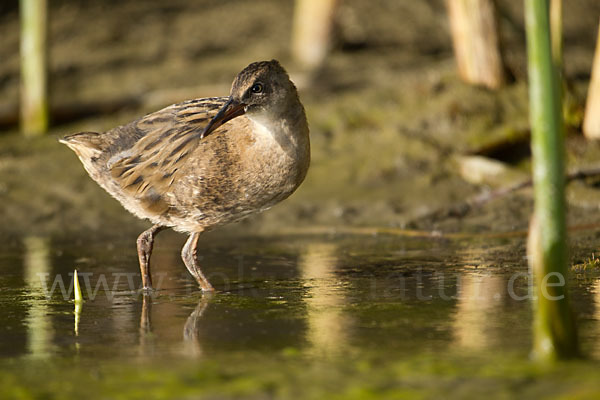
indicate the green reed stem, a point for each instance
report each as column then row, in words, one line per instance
column 34, row 96
column 554, row 328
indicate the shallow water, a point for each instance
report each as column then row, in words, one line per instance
column 321, row 298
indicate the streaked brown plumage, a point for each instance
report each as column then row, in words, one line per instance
column 202, row 163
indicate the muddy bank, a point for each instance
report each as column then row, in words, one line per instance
column 388, row 117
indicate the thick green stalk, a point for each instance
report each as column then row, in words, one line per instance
column 34, row 102
column 554, row 328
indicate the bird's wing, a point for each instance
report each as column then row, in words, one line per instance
column 161, row 141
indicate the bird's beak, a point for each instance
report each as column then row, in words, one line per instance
column 230, row 110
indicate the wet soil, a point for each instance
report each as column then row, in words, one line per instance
column 388, row 116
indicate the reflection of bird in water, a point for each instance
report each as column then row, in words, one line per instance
column 146, row 337
column 145, row 321
column 202, row 163
column 192, row 345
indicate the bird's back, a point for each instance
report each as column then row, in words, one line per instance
column 172, row 123
column 137, row 162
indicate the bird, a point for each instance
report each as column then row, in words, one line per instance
column 203, row 163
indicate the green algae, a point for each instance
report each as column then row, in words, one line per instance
column 255, row 376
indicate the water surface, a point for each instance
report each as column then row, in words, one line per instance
column 283, row 305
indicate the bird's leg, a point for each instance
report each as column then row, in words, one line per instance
column 188, row 254
column 145, row 242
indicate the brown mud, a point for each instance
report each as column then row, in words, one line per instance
column 388, row 115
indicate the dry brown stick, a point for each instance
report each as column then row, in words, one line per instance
column 591, row 121
column 413, row 233
column 461, row 209
column 312, row 31
column 476, row 42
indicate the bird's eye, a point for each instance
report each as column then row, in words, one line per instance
column 257, row 88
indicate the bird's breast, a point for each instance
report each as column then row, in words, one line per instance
column 280, row 153
column 247, row 169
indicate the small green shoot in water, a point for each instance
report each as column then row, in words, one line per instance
column 78, row 301
column 77, row 289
